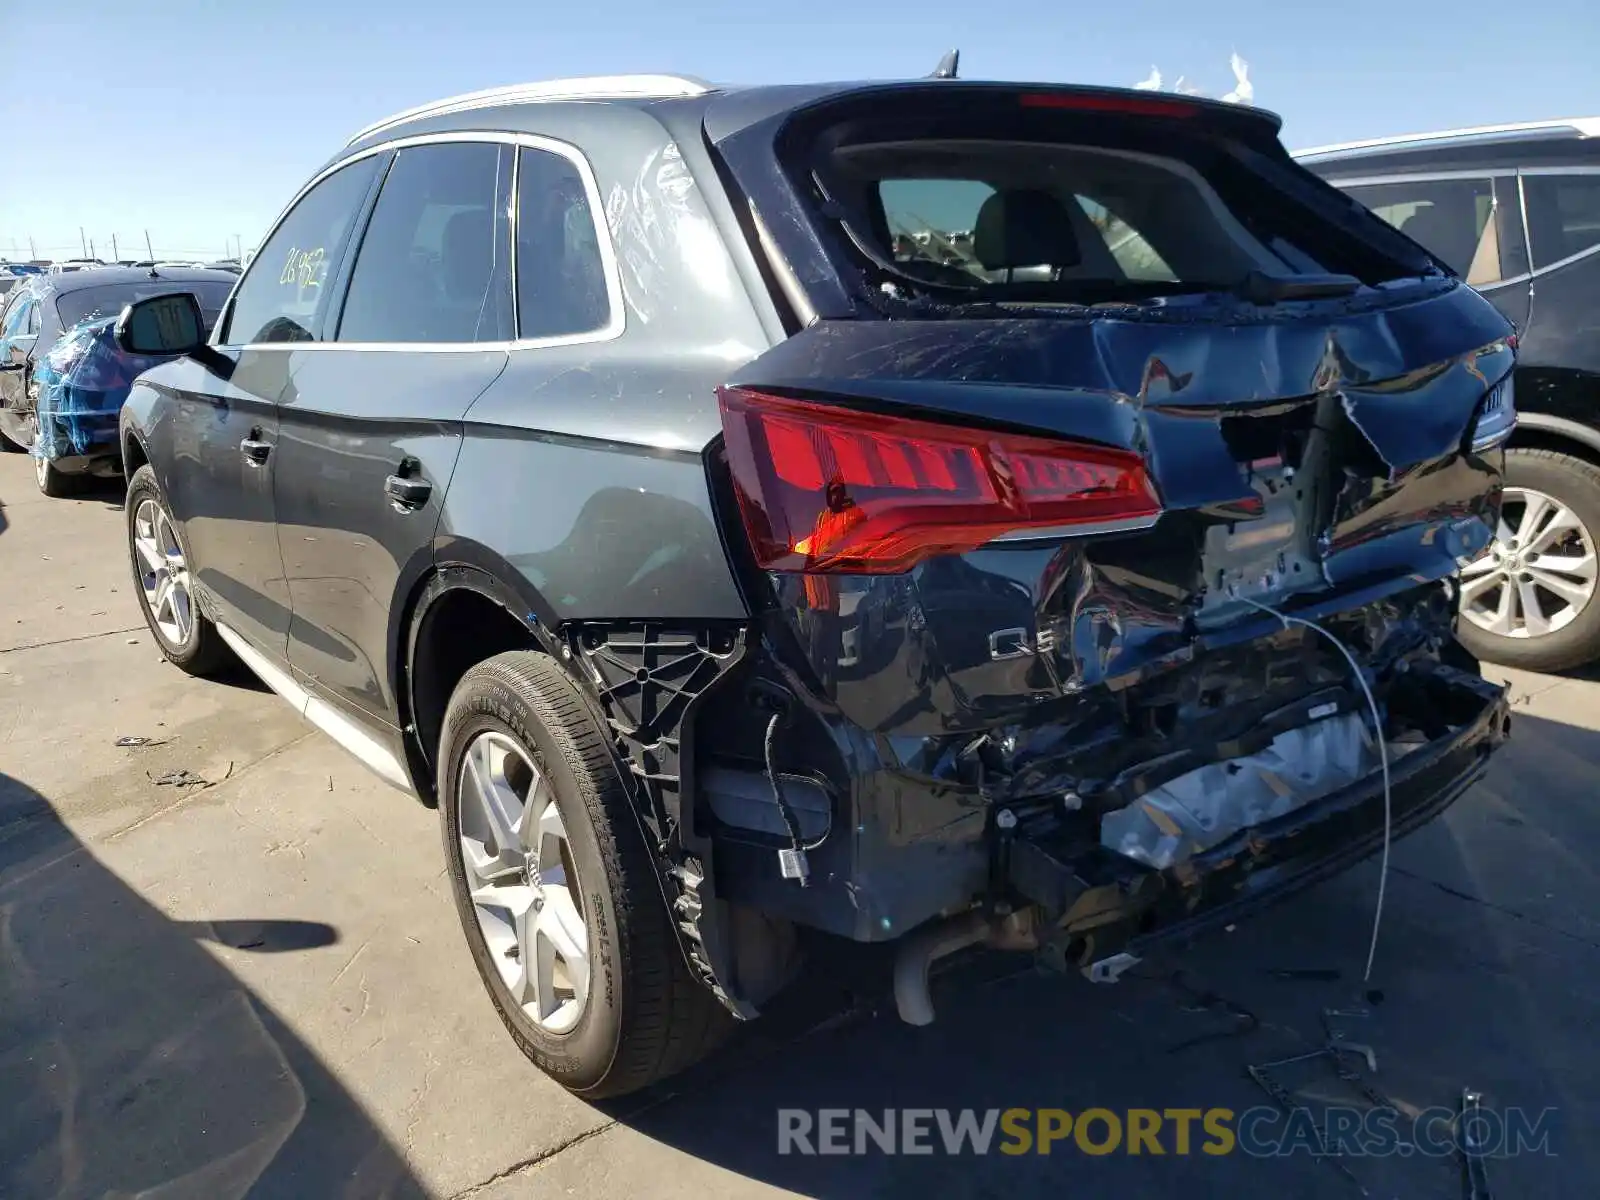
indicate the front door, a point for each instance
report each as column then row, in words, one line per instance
column 371, row 425
column 226, row 432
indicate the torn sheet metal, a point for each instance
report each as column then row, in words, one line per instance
column 1205, row 807
column 82, row 384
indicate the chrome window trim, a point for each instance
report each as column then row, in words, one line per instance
column 1344, row 181
column 612, row 330
column 1527, row 234
column 1558, row 170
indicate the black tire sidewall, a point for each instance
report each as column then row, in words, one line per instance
column 580, row 1058
column 143, row 487
column 1576, row 484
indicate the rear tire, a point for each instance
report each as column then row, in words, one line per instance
column 644, row 1016
column 191, row 644
column 52, row 482
column 1535, row 477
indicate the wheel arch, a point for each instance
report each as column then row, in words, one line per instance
column 1541, row 431
column 134, row 452
column 456, row 615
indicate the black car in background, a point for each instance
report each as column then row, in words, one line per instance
column 1515, row 211
column 931, row 513
column 35, row 316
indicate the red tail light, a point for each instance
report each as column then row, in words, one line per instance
column 1139, row 106
column 822, row 488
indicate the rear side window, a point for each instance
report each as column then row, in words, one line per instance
column 434, row 263
column 1563, row 215
column 17, row 318
column 1468, row 224
column 561, row 275
column 283, row 297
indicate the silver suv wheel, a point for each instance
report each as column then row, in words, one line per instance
column 1539, row 573
column 163, row 572
column 522, row 882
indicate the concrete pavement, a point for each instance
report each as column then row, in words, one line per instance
column 258, row 985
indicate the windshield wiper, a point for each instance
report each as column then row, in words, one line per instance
column 1261, row 288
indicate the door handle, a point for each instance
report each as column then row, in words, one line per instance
column 254, row 449
column 407, row 494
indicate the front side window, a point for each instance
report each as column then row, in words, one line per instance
column 561, row 275
column 1468, row 224
column 1563, row 215
column 17, row 317
column 282, row 298
column 434, row 263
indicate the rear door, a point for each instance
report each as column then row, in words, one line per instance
column 371, row 420
column 19, row 332
column 215, row 449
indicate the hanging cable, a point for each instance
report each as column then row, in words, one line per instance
column 1383, row 759
column 792, row 861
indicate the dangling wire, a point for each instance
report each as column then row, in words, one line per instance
column 1383, row 758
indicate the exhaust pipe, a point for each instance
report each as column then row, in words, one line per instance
column 942, row 939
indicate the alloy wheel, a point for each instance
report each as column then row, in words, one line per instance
column 1539, row 573
column 163, row 573
column 522, row 882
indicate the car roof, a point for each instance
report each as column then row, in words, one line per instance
column 1522, row 132
column 76, row 281
column 521, row 107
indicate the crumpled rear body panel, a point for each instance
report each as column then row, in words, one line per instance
column 83, row 382
column 992, row 637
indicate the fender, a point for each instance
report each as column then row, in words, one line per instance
column 643, row 682
column 1575, row 431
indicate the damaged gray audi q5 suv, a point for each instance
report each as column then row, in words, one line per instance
column 937, row 513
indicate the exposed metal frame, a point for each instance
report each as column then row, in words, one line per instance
column 614, row 326
column 586, row 87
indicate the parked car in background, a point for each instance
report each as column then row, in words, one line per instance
column 1515, row 211
column 73, row 264
column 62, row 377
column 609, row 474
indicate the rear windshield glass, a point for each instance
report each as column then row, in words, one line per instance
column 109, row 299
column 1092, row 211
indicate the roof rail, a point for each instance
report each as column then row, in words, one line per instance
column 587, row 87
column 1570, row 127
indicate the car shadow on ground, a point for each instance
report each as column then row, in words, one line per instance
column 1487, row 976
column 132, row 1062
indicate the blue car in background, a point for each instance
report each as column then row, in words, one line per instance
column 63, row 378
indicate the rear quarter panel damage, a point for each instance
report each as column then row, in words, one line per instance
column 1383, row 398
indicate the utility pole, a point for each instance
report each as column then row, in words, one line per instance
column 82, row 242
column 32, row 252
column 114, row 255
column 147, row 249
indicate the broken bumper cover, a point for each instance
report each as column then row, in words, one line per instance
column 1105, row 904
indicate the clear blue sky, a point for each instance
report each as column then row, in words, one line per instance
column 198, row 119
